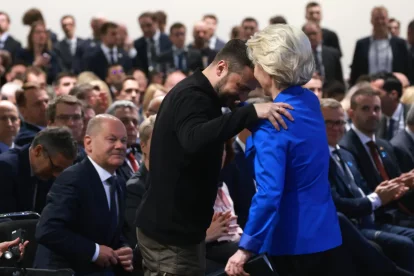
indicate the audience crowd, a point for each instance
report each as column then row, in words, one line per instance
column 58, row 96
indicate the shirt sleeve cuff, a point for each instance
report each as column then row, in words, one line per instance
column 250, row 244
column 95, row 256
column 375, row 200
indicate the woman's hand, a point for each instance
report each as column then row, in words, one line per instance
column 219, row 226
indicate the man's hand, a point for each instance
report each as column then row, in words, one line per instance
column 390, row 190
column 273, row 112
column 107, row 257
column 4, row 246
column 125, row 258
column 236, row 263
column 407, row 179
column 220, row 226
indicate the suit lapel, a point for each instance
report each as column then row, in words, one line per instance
column 395, row 52
column 410, row 144
column 97, row 187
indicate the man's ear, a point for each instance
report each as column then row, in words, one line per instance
column 221, row 68
column 350, row 112
column 38, row 150
column 87, row 142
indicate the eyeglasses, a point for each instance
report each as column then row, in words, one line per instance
column 116, row 72
column 65, row 117
column 338, row 123
column 53, row 167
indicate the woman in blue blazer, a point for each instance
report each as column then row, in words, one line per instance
column 292, row 217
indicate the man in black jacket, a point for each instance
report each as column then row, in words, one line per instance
column 186, row 156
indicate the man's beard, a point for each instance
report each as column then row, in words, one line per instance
column 226, row 99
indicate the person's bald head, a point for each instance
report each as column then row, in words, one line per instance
column 200, row 32
column 403, row 79
column 106, row 141
column 9, row 122
column 154, row 106
column 173, row 79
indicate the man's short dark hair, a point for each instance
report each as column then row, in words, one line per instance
column 333, row 89
column 81, row 91
column 364, row 91
column 67, row 16
column 151, row 15
column 235, row 53
column 56, row 140
column 391, row 83
column 278, row 19
column 64, row 75
column 127, row 78
column 106, row 27
column 249, row 19
column 6, row 15
column 33, row 70
column 161, row 17
column 66, row 99
column 411, row 25
column 31, row 16
column 210, row 16
column 394, row 20
column 177, row 25
column 312, row 5
column 20, row 93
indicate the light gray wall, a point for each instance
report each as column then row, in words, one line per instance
column 350, row 19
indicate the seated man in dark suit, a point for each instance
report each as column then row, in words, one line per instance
column 32, row 102
column 327, row 59
column 151, row 44
column 7, row 41
column 403, row 143
column 179, row 57
column 374, row 157
column 394, row 113
column 107, row 53
column 353, row 198
column 66, row 110
column 313, row 13
column 127, row 113
column 9, row 125
column 200, row 35
column 86, row 206
column 380, row 51
column 27, row 173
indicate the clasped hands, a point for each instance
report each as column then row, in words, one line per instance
column 108, row 257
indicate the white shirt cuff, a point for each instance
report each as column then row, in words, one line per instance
column 95, row 256
column 375, row 200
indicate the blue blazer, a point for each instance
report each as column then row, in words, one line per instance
column 292, row 212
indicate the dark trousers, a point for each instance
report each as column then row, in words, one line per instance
column 396, row 242
column 170, row 260
column 332, row 262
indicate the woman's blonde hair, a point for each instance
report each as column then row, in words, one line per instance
column 284, row 52
column 408, row 95
column 149, row 94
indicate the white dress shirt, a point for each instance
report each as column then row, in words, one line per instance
column 3, row 39
column 212, row 42
column 380, row 55
column 72, row 45
column 373, row 197
column 104, row 175
column 107, row 52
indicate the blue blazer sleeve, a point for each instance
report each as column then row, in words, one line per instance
column 269, row 167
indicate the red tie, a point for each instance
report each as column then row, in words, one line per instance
column 380, row 167
column 133, row 161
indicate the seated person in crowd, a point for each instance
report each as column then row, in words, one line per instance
column 315, row 85
column 66, row 110
column 154, row 106
column 114, row 78
column 9, row 125
column 27, row 173
column 64, row 83
column 129, row 90
column 88, row 94
column 32, row 102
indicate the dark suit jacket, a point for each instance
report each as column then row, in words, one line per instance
column 330, row 39
column 331, row 59
column 52, row 70
column 207, row 55
column 98, row 63
column 404, row 150
column 12, row 46
column 192, row 57
column 18, row 185
column 383, row 130
column 26, row 134
column 140, row 44
column 344, row 199
column 124, row 171
column 53, row 37
column 83, row 53
column 219, row 45
column 75, row 218
column 352, row 143
column 64, row 55
column 401, row 61
column 239, row 181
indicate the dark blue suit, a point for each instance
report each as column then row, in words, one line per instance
column 403, row 145
column 18, row 184
column 395, row 241
column 26, row 134
column 240, row 183
column 97, row 62
column 141, row 60
column 75, row 218
column 63, row 52
column 292, row 212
